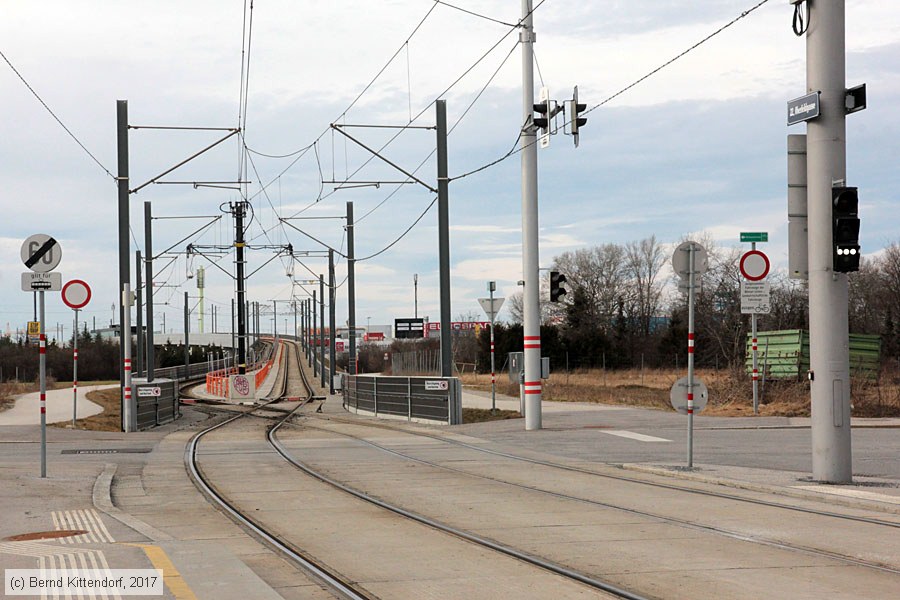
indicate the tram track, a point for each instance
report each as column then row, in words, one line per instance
column 338, row 583
column 736, row 535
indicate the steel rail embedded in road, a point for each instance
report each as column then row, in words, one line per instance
column 669, row 486
column 331, row 580
column 673, row 520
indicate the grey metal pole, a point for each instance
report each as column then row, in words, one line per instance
column 125, row 342
column 233, row 346
column 310, row 328
column 148, row 266
column 124, row 221
column 690, row 360
column 530, row 249
column 139, row 323
column 187, row 341
column 296, row 331
column 332, row 321
column 444, row 239
column 312, row 339
column 828, row 306
column 351, row 289
column 275, row 320
column 755, row 356
column 322, row 327
column 238, row 209
column 43, row 377
column 491, row 286
column 416, row 295
column 75, row 372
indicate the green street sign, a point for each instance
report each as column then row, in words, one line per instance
column 754, row 236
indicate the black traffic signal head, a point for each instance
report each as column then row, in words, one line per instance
column 845, row 229
column 556, row 289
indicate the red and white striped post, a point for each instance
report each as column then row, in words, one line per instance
column 75, row 372
column 692, row 270
column 125, row 340
column 43, row 377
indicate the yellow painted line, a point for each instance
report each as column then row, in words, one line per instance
column 171, row 577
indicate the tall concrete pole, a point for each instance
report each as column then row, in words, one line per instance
column 124, row 221
column 332, row 321
column 444, row 239
column 351, row 289
column 148, row 277
column 530, row 251
column 826, row 156
column 187, row 341
column 238, row 210
column 312, row 339
column 138, row 293
column 322, row 327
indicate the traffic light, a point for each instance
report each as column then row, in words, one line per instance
column 556, row 289
column 573, row 110
column 845, row 229
column 543, row 109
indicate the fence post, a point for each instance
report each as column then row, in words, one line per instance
column 409, row 398
column 375, row 395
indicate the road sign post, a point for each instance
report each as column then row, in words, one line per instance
column 689, row 261
column 754, row 266
column 76, row 294
column 491, row 307
column 41, row 254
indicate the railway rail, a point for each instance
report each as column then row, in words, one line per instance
column 340, row 584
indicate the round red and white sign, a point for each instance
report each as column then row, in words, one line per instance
column 76, row 294
column 754, row 265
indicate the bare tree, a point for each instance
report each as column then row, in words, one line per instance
column 600, row 273
column 643, row 262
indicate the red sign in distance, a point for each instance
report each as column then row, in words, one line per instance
column 754, row 265
column 76, row 294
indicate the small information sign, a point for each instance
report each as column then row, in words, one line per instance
column 437, row 385
column 754, row 236
column 755, row 298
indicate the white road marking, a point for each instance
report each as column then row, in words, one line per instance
column 634, row 436
column 851, row 493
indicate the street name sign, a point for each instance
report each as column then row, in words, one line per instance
column 754, row 236
column 804, row 108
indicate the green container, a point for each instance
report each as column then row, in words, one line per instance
column 785, row 354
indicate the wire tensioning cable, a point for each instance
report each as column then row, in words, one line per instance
column 52, row 114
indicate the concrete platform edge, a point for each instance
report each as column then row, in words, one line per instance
column 763, row 488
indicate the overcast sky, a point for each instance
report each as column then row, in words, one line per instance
column 699, row 146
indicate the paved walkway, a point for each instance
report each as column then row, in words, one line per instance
column 27, row 409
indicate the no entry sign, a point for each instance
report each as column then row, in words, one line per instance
column 754, row 265
column 76, row 294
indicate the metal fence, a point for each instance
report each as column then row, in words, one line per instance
column 419, row 399
column 157, row 410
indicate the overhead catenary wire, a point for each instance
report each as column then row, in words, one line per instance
column 628, row 87
column 56, row 118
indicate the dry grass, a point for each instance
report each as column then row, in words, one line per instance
column 730, row 391
column 111, row 417
column 480, row 415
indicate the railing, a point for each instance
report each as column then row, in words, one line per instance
column 217, row 381
column 419, row 399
